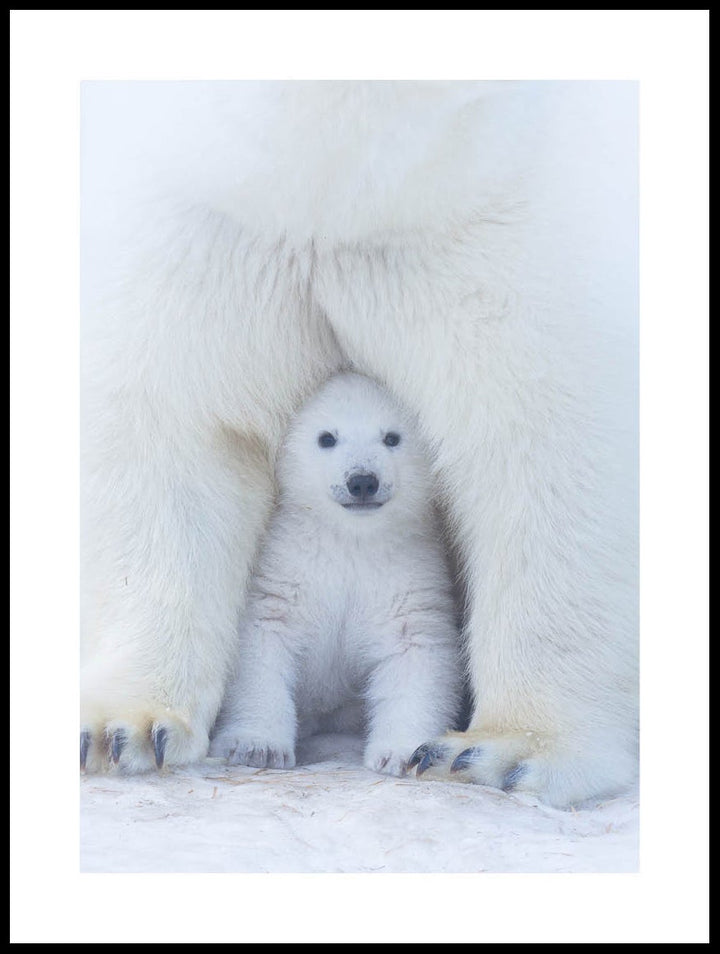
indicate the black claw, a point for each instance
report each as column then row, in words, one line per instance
column 159, row 737
column 416, row 756
column 432, row 753
column 424, row 765
column 466, row 758
column 513, row 777
column 84, row 746
column 119, row 741
column 419, row 754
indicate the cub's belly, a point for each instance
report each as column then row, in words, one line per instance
column 329, row 676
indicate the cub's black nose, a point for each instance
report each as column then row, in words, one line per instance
column 363, row 486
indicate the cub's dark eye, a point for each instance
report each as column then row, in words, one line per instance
column 391, row 439
column 326, row 439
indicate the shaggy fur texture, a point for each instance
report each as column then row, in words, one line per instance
column 472, row 247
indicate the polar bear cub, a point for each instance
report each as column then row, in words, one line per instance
column 351, row 600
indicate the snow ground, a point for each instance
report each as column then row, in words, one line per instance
column 332, row 815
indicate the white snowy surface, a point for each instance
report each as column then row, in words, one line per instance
column 331, row 815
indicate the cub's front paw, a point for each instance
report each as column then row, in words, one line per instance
column 254, row 751
column 387, row 759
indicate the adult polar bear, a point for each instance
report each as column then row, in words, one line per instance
column 472, row 246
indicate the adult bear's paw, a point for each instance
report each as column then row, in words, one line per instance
column 138, row 738
column 471, row 757
column 526, row 762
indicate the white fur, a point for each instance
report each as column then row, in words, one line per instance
column 470, row 246
column 350, row 601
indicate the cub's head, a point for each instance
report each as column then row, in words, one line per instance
column 352, row 455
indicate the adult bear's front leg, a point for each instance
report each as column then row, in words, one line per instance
column 168, row 539
column 547, row 521
column 544, row 507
